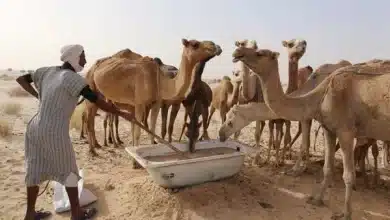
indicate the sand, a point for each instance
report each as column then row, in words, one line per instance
column 255, row 193
column 197, row 154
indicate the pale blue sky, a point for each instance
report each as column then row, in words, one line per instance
column 33, row 31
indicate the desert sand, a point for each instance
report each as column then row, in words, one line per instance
column 124, row 193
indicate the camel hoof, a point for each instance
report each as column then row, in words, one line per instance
column 295, row 172
column 93, row 153
column 317, row 202
column 98, row 146
column 339, row 216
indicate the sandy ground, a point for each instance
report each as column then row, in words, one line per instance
column 124, row 193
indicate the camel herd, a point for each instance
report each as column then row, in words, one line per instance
column 348, row 100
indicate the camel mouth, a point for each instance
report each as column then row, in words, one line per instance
column 237, row 58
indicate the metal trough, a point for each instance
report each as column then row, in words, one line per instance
column 173, row 172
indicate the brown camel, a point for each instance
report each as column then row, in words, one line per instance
column 201, row 109
column 225, row 96
column 139, row 83
column 351, row 102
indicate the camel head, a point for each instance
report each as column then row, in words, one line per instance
column 189, row 132
column 168, row 70
column 197, row 51
column 295, row 48
column 261, row 61
column 235, row 121
column 307, row 70
column 324, row 71
column 246, row 43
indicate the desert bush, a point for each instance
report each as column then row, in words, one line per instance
column 11, row 108
column 5, row 77
column 18, row 92
column 5, row 128
column 75, row 120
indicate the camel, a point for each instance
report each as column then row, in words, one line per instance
column 203, row 98
column 225, row 96
column 351, row 102
column 249, row 89
column 296, row 48
column 139, row 83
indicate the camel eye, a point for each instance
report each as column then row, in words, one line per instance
column 230, row 124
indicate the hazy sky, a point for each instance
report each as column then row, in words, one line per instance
column 33, row 31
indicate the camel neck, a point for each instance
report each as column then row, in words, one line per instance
column 247, row 92
column 178, row 87
column 295, row 108
column 292, row 76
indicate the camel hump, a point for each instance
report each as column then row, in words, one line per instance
column 126, row 53
column 371, row 67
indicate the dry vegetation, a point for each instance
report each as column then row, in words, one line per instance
column 75, row 120
column 5, row 128
column 18, row 92
column 11, row 108
column 5, row 77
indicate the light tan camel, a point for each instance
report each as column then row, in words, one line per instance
column 139, row 83
column 225, row 96
column 352, row 102
column 249, row 89
column 314, row 80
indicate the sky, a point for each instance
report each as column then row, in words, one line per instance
column 33, row 31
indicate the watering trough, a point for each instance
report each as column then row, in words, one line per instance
column 212, row 160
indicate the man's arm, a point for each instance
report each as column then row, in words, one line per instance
column 93, row 97
column 25, row 82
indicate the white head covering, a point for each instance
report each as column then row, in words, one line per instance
column 71, row 54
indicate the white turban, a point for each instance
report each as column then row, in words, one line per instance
column 71, row 54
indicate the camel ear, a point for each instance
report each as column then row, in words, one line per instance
column 255, row 44
column 275, row 55
column 237, row 43
column 185, row 42
column 285, row 43
column 309, row 68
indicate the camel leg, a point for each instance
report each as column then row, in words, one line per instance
column 259, row 131
column 164, row 118
column 222, row 113
column 91, row 112
column 375, row 154
column 287, row 141
column 83, row 118
column 346, row 139
column 205, row 115
column 360, row 153
column 385, row 154
column 236, row 134
column 279, row 135
column 116, row 123
column 153, row 119
column 184, row 124
column 105, row 129
column 139, row 113
column 330, row 141
column 111, row 129
column 174, row 110
column 212, row 110
column 298, row 169
column 271, row 125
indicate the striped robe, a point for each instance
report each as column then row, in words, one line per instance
column 49, row 154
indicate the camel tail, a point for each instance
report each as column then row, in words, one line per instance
column 297, row 135
column 315, row 136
